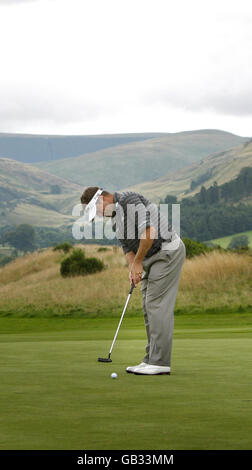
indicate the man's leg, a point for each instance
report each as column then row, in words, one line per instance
column 144, row 283
column 160, row 297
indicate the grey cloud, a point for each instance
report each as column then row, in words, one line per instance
column 43, row 106
column 236, row 103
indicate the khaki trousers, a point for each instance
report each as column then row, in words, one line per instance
column 159, row 286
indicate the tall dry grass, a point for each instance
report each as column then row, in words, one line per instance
column 216, row 266
column 214, row 280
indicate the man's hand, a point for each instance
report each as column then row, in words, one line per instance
column 130, row 278
column 136, row 271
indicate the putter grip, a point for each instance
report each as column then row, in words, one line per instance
column 132, row 287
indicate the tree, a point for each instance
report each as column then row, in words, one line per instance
column 203, row 195
column 239, row 241
column 193, row 185
column 214, row 193
column 170, row 199
column 22, row 238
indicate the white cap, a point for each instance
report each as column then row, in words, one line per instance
column 90, row 208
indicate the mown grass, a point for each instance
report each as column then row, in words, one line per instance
column 55, row 394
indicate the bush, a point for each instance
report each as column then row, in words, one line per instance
column 6, row 259
column 194, row 248
column 77, row 265
column 239, row 241
column 102, row 249
column 213, row 245
column 65, row 246
column 243, row 249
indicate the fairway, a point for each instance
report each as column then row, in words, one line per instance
column 55, row 395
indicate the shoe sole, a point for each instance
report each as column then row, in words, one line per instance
column 158, row 373
column 130, row 371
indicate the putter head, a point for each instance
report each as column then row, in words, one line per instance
column 104, row 359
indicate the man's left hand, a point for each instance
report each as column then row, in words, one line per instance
column 136, row 271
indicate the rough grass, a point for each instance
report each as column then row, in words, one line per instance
column 32, row 285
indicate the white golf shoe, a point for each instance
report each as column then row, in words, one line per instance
column 131, row 369
column 152, row 370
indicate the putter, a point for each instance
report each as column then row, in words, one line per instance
column 108, row 359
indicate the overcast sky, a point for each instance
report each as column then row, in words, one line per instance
column 110, row 66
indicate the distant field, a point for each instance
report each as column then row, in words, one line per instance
column 224, row 241
column 5, row 250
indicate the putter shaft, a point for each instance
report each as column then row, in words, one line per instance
column 121, row 319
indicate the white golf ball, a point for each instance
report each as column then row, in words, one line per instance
column 114, row 375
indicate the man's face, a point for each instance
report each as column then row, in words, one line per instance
column 100, row 206
column 104, row 207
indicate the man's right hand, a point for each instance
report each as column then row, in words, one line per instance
column 130, row 256
column 130, row 278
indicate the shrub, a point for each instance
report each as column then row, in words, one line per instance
column 93, row 265
column 213, row 245
column 194, row 248
column 78, row 265
column 102, row 249
column 239, row 241
column 65, row 246
column 6, row 259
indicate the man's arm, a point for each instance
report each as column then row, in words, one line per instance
column 145, row 244
column 130, row 256
column 146, row 240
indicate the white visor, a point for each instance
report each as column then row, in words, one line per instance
column 90, row 208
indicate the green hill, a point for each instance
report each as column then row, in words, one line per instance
column 220, row 167
column 224, row 241
column 29, row 148
column 133, row 163
column 30, row 195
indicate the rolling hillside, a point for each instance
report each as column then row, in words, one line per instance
column 220, row 167
column 224, row 241
column 133, row 163
column 30, row 195
column 29, row 148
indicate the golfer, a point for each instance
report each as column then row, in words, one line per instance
column 155, row 255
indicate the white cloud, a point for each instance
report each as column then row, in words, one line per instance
column 116, row 66
column 10, row 2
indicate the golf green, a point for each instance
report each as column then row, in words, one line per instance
column 55, row 395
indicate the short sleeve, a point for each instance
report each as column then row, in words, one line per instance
column 125, row 248
column 138, row 214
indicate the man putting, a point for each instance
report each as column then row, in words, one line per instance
column 155, row 255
